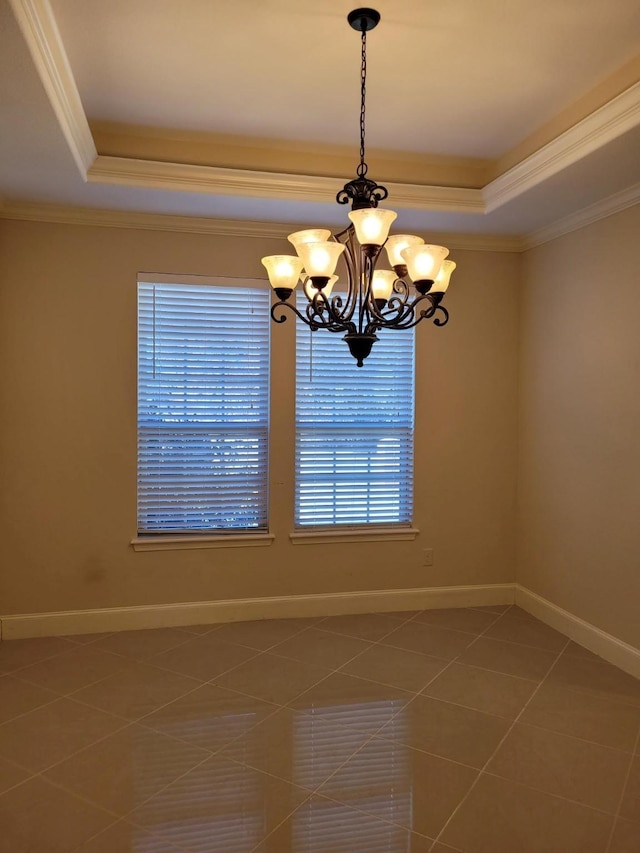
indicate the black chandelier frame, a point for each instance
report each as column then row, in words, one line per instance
column 357, row 312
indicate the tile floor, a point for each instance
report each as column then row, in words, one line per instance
column 476, row 730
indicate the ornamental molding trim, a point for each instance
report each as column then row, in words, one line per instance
column 183, row 177
column 37, row 22
column 605, row 124
column 100, row 217
column 587, row 216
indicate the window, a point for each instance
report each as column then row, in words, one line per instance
column 203, row 394
column 354, row 431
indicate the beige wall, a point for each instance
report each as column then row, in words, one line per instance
column 68, row 432
column 579, row 455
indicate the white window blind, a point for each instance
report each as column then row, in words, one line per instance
column 354, row 430
column 203, row 402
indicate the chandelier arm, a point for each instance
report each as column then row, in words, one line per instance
column 341, row 321
column 399, row 306
column 365, row 290
column 425, row 314
column 412, row 316
column 284, row 317
column 334, row 322
column 445, row 316
column 351, row 258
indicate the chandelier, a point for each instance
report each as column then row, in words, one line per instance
column 375, row 298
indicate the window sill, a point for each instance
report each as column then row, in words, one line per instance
column 379, row 534
column 186, row 543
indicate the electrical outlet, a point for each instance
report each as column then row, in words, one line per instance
column 427, row 557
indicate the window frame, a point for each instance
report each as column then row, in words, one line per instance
column 355, row 532
column 195, row 538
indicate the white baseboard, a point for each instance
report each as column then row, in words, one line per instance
column 236, row 610
column 605, row 645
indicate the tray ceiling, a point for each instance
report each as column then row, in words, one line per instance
column 511, row 115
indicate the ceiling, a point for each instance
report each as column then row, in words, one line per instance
column 502, row 118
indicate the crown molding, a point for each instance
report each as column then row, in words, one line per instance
column 183, row 177
column 66, row 215
column 38, row 25
column 39, row 28
column 605, row 124
column 104, row 218
column 588, row 215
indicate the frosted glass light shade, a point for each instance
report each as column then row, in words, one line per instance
column 311, row 291
column 396, row 244
column 283, row 270
column 372, row 225
column 424, row 262
column 311, row 235
column 320, row 259
column 382, row 284
column 441, row 283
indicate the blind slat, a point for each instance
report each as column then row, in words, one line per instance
column 354, row 430
column 203, row 401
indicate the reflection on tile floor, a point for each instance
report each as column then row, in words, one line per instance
column 471, row 730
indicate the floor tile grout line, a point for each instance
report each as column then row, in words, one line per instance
column 185, row 742
column 71, row 693
column 277, row 643
column 125, row 725
column 129, row 722
column 502, row 740
column 194, row 768
column 404, row 708
column 257, row 653
column 32, row 710
column 332, row 671
column 372, row 814
column 126, row 815
column 200, row 684
column 614, row 699
column 76, row 648
column 194, row 637
column 38, row 660
column 425, row 654
column 488, row 669
column 379, row 641
column 513, row 642
column 377, row 734
column 284, row 820
column 623, row 792
column 58, row 699
column 188, row 638
column 147, row 660
column 401, row 624
column 131, row 811
column 550, row 794
column 477, row 636
column 575, row 737
column 126, row 721
column 437, row 675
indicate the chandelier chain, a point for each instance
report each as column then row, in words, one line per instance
column 362, row 168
